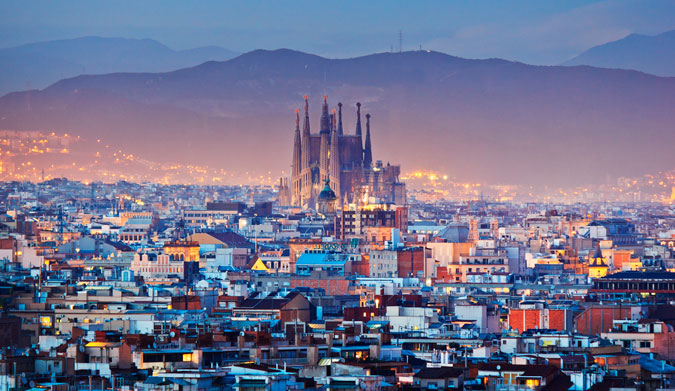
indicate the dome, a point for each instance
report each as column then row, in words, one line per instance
column 327, row 193
column 454, row 233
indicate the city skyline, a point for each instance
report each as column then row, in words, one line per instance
column 477, row 119
column 310, row 196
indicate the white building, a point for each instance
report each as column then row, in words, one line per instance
column 156, row 265
column 383, row 263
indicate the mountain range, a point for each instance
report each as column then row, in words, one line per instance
column 40, row 64
column 478, row 120
column 649, row 54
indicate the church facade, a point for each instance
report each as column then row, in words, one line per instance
column 344, row 161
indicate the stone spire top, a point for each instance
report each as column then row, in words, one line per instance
column 358, row 118
column 339, row 126
column 367, row 152
column 305, row 127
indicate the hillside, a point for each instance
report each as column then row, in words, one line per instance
column 38, row 65
column 482, row 120
column 649, row 54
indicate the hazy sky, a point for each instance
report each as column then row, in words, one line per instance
column 537, row 31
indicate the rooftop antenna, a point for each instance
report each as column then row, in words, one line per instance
column 400, row 41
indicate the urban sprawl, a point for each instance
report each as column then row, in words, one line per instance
column 332, row 280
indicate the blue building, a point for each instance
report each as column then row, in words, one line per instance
column 335, row 264
column 620, row 231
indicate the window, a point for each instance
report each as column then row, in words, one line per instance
column 645, row 344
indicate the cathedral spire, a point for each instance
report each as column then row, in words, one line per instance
column 333, row 119
column 339, row 126
column 325, row 118
column 296, row 168
column 305, row 127
column 305, row 175
column 367, row 153
column 298, row 139
column 357, row 147
column 334, row 162
column 358, row 118
column 324, row 146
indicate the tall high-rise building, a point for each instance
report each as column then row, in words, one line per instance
column 342, row 160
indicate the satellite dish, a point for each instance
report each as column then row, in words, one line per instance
column 81, row 347
column 172, row 334
column 241, row 333
column 154, row 345
column 32, row 384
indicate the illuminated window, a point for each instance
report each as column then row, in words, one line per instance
column 46, row 321
column 187, row 357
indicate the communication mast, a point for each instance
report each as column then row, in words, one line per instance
column 400, row 41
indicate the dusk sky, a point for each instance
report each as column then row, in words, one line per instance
column 534, row 32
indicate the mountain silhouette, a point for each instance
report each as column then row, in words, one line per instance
column 40, row 64
column 490, row 120
column 650, row 54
